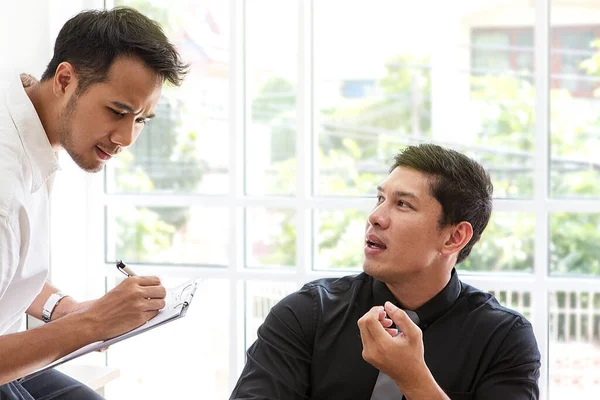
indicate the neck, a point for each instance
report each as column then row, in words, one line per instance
column 41, row 97
column 415, row 289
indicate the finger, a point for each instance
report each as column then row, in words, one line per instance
column 392, row 331
column 382, row 313
column 154, row 292
column 373, row 326
column 154, row 304
column 365, row 336
column 386, row 323
column 150, row 314
column 146, row 280
column 402, row 320
column 374, row 312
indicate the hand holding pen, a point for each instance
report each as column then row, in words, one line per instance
column 128, row 305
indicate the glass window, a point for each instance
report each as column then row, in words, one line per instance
column 167, row 235
column 380, row 75
column 516, row 300
column 574, row 239
column 171, row 353
column 370, row 101
column 505, row 246
column 491, row 52
column 177, row 151
column 271, row 237
column 574, row 320
column 271, row 89
column 339, row 239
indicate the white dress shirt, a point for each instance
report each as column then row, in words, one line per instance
column 27, row 167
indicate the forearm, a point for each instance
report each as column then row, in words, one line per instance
column 24, row 352
column 66, row 305
column 35, row 309
column 424, row 388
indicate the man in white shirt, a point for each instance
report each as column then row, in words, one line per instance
column 100, row 88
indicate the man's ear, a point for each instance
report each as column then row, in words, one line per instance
column 65, row 80
column 459, row 235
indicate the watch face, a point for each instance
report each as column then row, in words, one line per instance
column 45, row 316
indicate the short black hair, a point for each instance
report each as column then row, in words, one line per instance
column 460, row 184
column 92, row 39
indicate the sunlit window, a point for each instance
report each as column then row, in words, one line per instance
column 257, row 174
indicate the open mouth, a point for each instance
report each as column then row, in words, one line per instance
column 374, row 245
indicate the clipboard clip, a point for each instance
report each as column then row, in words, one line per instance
column 185, row 296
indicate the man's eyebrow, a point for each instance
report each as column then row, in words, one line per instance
column 130, row 109
column 400, row 193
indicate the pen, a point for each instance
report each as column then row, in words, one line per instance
column 125, row 269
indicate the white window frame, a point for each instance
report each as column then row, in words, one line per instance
column 539, row 283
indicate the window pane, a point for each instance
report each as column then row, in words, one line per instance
column 473, row 93
column 515, row 300
column 574, row 105
column 168, row 235
column 490, row 51
column 574, row 345
column 574, row 242
column 260, row 298
column 506, row 245
column 192, row 357
column 271, row 237
column 339, row 239
column 177, row 151
column 271, row 87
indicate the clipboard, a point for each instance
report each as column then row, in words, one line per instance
column 177, row 301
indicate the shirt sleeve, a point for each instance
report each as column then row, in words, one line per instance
column 515, row 371
column 8, row 253
column 278, row 363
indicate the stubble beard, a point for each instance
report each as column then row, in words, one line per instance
column 65, row 136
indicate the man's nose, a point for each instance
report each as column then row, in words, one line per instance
column 125, row 134
column 379, row 216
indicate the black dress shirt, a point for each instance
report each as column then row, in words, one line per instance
column 309, row 345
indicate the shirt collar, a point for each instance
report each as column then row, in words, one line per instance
column 38, row 150
column 429, row 311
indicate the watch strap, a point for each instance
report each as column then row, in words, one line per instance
column 50, row 305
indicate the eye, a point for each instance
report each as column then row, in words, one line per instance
column 380, row 198
column 141, row 121
column 403, row 204
column 119, row 113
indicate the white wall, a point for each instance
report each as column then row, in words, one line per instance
column 24, row 36
column 28, row 29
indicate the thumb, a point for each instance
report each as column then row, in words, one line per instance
column 402, row 320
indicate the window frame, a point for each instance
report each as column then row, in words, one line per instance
column 539, row 283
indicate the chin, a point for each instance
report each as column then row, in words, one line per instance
column 90, row 167
column 371, row 268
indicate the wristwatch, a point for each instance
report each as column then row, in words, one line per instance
column 51, row 304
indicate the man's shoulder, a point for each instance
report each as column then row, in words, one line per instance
column 339, row 285
column 490, row 308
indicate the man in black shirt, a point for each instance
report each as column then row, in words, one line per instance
column 407, row 327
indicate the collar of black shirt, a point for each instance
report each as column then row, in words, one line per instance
column 429, row 311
